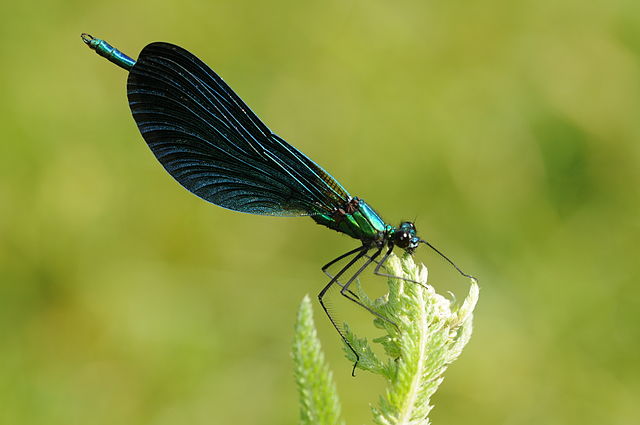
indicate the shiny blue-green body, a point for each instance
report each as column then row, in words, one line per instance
column 364, row 223
column 360, row 221
column 303, row 187
column 109, row 52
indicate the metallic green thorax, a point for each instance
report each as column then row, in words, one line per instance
column 106, row 50
column 363, row 223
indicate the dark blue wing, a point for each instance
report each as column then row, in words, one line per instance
column 212, row 144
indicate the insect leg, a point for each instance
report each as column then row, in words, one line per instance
column 335, row 260
column 384, row 260
column 448, row 260
column 345, row 289
column 361, row 252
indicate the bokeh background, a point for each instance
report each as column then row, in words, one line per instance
column 508, row 130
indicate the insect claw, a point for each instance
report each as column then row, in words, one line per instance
column 86, row 37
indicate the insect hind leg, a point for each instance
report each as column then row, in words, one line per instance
column 361, row 252
column 335, row 260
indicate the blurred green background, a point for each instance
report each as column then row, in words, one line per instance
column 508, row 130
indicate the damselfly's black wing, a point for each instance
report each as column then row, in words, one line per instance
column 212, row 144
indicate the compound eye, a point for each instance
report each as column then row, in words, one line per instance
column 405, row 225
